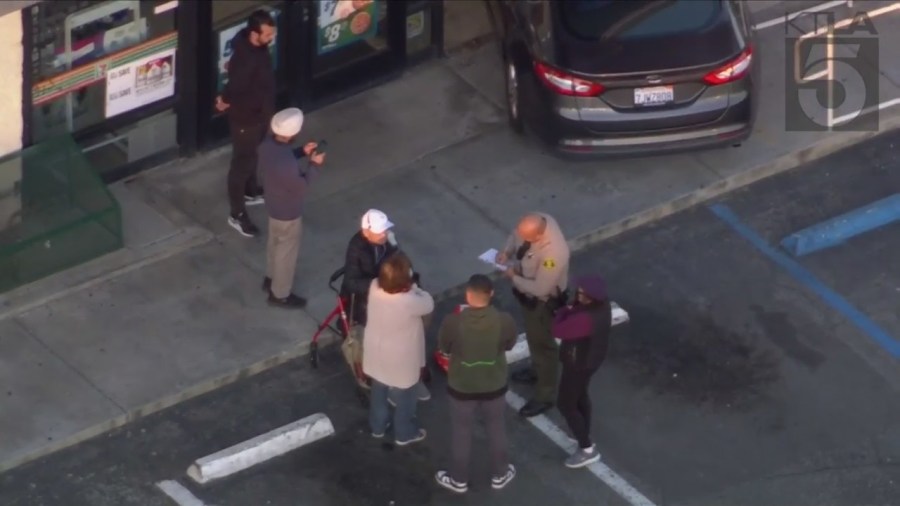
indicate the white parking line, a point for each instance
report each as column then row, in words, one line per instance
column 598, row 469
column 818, row 75
column 829, row 73
column 874, row 13
column 178, row 493
column 794, row 15
column 868, row 110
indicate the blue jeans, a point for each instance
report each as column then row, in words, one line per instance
column 406, row 426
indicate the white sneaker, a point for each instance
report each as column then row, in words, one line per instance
column 420, row 436
column 443, row 479
column 499, row 482
column 254, row 201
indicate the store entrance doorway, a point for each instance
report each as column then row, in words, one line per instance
column 353, row 43
column 324, row 51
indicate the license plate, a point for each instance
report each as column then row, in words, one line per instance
column 656, row 95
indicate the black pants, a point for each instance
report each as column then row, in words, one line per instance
column 574, row 402
column 462, row 422
column 242, row 174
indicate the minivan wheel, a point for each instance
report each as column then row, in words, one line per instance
column 513, row 98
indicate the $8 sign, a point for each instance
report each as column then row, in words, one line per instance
column 333, row 32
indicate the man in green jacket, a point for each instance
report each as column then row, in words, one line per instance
column 477, row 340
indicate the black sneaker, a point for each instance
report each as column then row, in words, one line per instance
column 534, row 408
column 243, row 225
column 267, row 284
column 290, row 302
column 525, row 376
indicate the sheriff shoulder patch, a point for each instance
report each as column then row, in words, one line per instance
column 549, row 263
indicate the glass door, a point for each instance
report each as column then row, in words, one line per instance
column 354, row 41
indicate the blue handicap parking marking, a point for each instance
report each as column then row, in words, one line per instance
column 829, row 296
column 841, row 228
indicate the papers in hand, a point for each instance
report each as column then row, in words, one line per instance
column 490, row 257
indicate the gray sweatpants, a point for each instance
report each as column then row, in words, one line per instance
column 462, row 419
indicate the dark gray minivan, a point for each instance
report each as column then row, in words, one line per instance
column 629, row 76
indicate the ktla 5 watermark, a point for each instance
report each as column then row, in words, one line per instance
column 832, row 68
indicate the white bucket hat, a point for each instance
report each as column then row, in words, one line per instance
column 287, row 122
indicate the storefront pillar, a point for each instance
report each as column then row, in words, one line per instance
column 191, row 44
column 11, row 59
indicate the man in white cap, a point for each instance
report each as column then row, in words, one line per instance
column 287, row 182
column 368, row 247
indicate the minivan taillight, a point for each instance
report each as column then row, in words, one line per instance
column 731, row 71
column 566, row 84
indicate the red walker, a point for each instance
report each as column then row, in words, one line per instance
column 344, row 329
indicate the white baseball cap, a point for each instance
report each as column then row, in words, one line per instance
column 376, row 221
column 287, row 122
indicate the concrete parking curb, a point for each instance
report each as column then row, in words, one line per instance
column 774, row 167
column 261, row 448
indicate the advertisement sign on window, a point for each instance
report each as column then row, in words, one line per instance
column 415, row 24
column 225, row 49
column 342, row 22
column 140, row 82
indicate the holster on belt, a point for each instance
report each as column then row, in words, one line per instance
column 527, row 301
column 561, row 299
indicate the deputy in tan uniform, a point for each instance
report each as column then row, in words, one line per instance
column 538, row 258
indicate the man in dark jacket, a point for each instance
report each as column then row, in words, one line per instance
column 249, row 99
column 288, row 181
column 367, row 249
column 584, row 329
column 477, row 340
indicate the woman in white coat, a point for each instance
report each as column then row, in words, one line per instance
column 394, row 349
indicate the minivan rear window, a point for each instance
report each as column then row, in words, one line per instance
column 638, row 36
column 625, row 20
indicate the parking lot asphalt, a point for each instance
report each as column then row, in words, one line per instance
column 736, row 382
column 168, row 317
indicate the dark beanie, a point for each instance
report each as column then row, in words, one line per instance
column 593, row 286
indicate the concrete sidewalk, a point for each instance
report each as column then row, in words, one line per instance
column 180, row 311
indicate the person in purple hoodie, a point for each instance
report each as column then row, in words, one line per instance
column 583, row 329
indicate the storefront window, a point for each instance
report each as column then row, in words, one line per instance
column 229, row 18
column 82, row 47
column 348, row 31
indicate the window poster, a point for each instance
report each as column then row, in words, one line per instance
column 343, row 22
column 415, row 24
column 140, row 82
column 225, row 49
